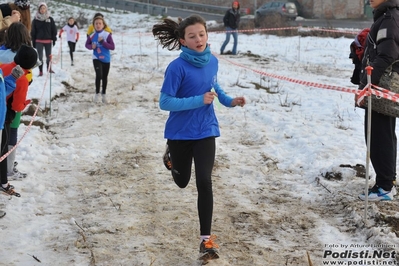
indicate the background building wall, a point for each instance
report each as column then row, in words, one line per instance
column 332, row 9
column 326, row 9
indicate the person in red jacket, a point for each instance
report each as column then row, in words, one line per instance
column 26, row 58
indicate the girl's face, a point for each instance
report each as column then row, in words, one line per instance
column 195, row 37
column 375, row 3
column 71, row 21
column 43, row 9
column 99, row 24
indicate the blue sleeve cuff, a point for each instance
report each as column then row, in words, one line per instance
column 222, row 96
column 170, row 103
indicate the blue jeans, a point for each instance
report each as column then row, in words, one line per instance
column 230, row 31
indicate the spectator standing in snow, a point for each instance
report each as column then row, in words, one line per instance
column 101, row 42
column 10, row 13
column 382, row 49
column 16, row 36
column 188, row 93
column 44, row 35
column 72, row 33
column 231, row 21
column 24, row 60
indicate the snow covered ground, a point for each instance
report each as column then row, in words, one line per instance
column 98, row 194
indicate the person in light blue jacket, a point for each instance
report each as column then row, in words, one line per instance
column 7, row 86
column 188, row 92
column 16, row 36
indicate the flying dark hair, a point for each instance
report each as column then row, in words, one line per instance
column 169, row 32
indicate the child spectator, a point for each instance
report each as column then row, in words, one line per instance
column 72, row 33
column 7, row 86
column 24, row 60
column 101, row 42
column 44, row 35
column 16, row 35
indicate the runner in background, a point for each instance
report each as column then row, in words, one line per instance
column 72, row 33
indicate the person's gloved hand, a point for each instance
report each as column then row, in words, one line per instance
column 59, row 36
column 76, row 40
column 17, row 72
column 54, row 43
column 28, row 101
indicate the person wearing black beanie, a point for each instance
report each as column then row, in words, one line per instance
column 26, row 57
column 17, row 35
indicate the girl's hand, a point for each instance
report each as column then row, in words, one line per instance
column 240, row 101
column 93, row 45
column 209, row 97
column 15, row 16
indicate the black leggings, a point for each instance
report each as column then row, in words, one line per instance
column 71, row 49
column 182, row 153
column 102, row 70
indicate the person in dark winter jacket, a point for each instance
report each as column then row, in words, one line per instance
column 231, row 21
column 382, row 49
column 44, row 35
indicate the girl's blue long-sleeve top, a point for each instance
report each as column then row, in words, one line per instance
column 182, row 94
column 7, row 86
